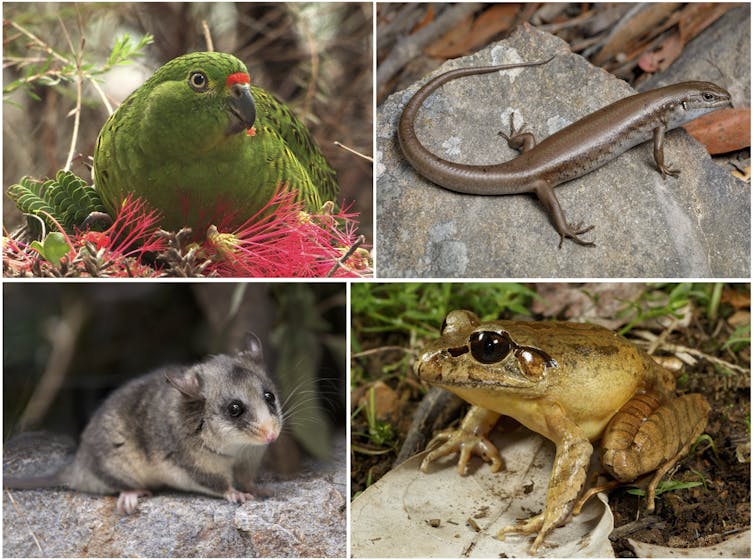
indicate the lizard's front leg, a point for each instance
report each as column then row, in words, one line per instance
column 658, row 141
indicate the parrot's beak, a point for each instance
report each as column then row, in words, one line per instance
column 242, row 110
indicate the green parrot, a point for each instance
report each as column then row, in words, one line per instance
column 204, row 147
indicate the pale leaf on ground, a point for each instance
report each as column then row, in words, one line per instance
column 392, row 517
column 737, row 546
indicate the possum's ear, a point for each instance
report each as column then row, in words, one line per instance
column 189, row 384
column 252, row 347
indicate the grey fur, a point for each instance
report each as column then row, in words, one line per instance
column 178, row 427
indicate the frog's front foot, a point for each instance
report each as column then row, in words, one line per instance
column 527, row 527
column 464, row 443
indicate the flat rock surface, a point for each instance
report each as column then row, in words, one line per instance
column 305, row 517
column 697, row 225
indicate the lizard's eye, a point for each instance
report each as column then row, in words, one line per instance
column 198, row 81
column 489, row 347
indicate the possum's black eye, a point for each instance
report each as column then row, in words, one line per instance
column 236, row 409
column 269, row 397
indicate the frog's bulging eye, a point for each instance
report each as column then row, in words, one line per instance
column 489, row 347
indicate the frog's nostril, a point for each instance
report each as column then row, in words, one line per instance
column 455, row 352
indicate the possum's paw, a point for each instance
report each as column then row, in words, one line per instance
column 237, row 497
column 128, row 501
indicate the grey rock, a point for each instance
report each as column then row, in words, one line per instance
column 304, row 517
column 694, row 226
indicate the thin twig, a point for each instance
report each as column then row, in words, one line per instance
column 102, row 95
column 79, row 94
column 359, row 240
column 410, row 46
column 677, row 348
column 379, row 350
column 207, row 36
column 63, row 337
column 47, row 48
column 346, row 148
column 314, row 73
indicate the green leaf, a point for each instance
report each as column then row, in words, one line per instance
column 665, row 486
column 66, row 199
column 53, row 248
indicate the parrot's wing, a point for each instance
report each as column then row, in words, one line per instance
column 296, row 138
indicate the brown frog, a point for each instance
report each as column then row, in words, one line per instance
column 574, row 384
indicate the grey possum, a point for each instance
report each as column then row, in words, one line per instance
column 178, row 427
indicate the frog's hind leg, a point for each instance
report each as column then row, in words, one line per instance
column 650, row 434
column 604, row 487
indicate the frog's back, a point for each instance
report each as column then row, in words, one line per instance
column 579, row 346
column 597, row 370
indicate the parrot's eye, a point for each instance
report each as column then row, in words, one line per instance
column 198, row 81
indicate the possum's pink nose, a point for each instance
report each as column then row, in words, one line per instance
column 269, row 432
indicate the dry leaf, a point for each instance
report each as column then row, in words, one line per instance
column 697, row 17
column 474, row 33
column 639, row 26
column 429, row 16
column 739, row 319
column 385, row 400
column 408, row 513
column 738, row 299
column 663, row 55
column 737, row 546
column 723, row 131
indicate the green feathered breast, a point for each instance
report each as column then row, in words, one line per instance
column 182, row 141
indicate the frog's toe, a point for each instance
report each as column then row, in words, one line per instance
column 463, row 459
column 489, row 452
column 524, row 527
column 465, row 444
column 527, row 527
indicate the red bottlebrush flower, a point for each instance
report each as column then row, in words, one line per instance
column 97, row 238
column 116, row 252
column 134, row 231
column 282, row 240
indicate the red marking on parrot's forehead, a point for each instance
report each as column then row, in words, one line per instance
column 237, row 78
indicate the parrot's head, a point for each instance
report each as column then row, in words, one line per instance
column 207, row 93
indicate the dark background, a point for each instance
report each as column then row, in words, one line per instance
column 73, row 343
